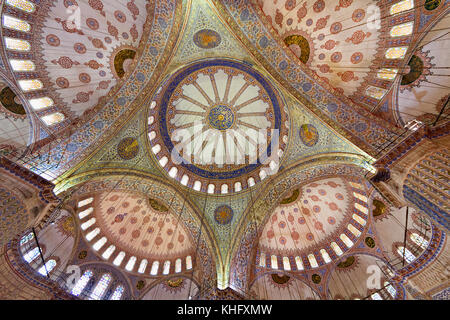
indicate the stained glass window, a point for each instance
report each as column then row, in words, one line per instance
column 117, row 293
column 376, row 296
column 101, row 287
column 402, row 29
column 16, row 24
column 17, row 44
column 299, row 263
column 375, row 92
column 312, row 261
column 419, row 240
column 29, row 85
column 325, row 256
column 91, row 235
column 336, row 248
column 390, row 289
column 409, row 257
column 286, row 264
column 188, row 263
column 402, row 6
column 52, row 119
column 49, row 266
column 353, row 230
column 83, row 214
column 178, row 266
column 41, row 103
column 396, row 53
column 79, row 286
column 99, row 244
column 23, row 5
column 155, row 267
column 262, row 259
column 26, row 238
column 31, row 255
column 22, row 65
column 358, row 219
column 387, row 74
column 356, row 185
column 118, row 260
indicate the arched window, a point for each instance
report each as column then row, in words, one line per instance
column 336, row 248
column 286, row 264
column 117, row 293
column 101, row 287
column 118, row 260
column 299, row 263
column 188, row 263
column 409, row 257
column 166, row 268
column 31, row 255
column 178, row 266
column 143, row 266
column 130, row 264
column 419, row 240
column 402, row 29
column 262, row 259
column 346, row 240
column 108, row 252
column 402, row 6
column 325, row 256
column 49, row 266
column 16, row 24
column 17, row 44
column 79, row 286
column 274, row 261
column 84, row 202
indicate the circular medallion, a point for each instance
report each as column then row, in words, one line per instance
column 309, row 135
column 218, row 124
column 223, row 215
column 220, row 117
column 207, row 39
column 128, row 148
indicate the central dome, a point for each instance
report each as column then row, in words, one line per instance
column 221, row 126
column 220, row 117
